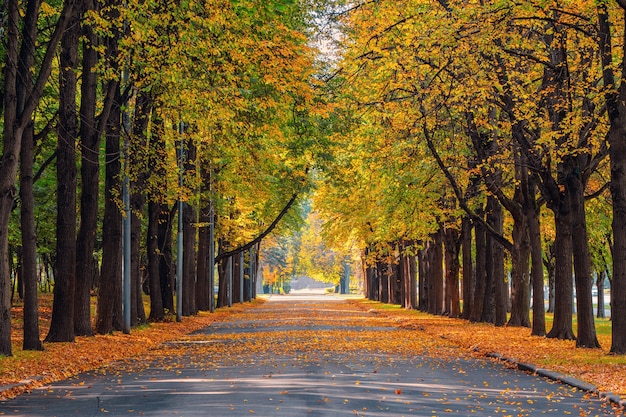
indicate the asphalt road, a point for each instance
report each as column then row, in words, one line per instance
column 306, row 356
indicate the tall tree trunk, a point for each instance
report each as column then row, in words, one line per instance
column 166, row 264
column 222, row 293
column 536, row 274
column 27, row 217
column 395, row 282
column 500, row 290
column 452, row 244
column 582, row 265
column 14, row 123
column 468, row 270
column 436, row 274
column 32, row 339
column 410, row 278
column 202, row 289
column 11, row 144
column 157, row 312
column 616, row 105
column 422, row 283
column 110, row 288
column 189, row 260
column 562, row 325
column 481, row 273
column 62, row 323
column 520, row 283
column 550, row 265
column 489, row 300
column 90, row 180
column 138, row 162
column 137, row 312
column 600, row 286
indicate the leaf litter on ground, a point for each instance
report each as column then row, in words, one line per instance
column 348, row 329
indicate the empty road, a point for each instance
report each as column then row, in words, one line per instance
column 306, row 355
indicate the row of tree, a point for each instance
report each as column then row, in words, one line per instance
column 204, row 103
column 491, row 133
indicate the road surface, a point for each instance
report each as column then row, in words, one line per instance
column 306, row 355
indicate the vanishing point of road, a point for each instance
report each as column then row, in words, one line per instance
column 306, row 355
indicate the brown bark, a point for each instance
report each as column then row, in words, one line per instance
column 422, row 279
column 616, row 105
column 481, row 273
column 536, row 274
column 166, row 260
column 437, row 274
column 27, row 216
column 139, row 171
column 500, row 290
column 383, row 281
column 562, row 325
column 14, row 123
column 409, row 267
column 110, row 288
column 90, row 181
column 203, row 263
column 520, row 283
column 468, row 269
column 62, row 323
column 452, row 244
column 582, row 265
column 157, row 312
column 32, row 339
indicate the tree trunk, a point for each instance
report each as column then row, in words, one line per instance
column 616, row 106
column 157, row 312
column 452, row 243
column 166, row 260
column 138, row 164
column 222, row 293
column 500, row 290
column 32, row 339
column 409, row 279
column 11, row 144
column 562, row 325
column 468, row 270
column 582, row 264
column 600, row 286
column 489, row 300
column 550, row 264
column 90, row 181
column 202, row 289
column 422, row 282
column 436, row 274
column 189, row 260
column 520, row 283
column 62, row 323
column 110, row 288
column 14, row 123
column 395, row 282
column 481, row 273
column 536, row 274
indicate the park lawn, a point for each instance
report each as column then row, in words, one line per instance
column 595, row 366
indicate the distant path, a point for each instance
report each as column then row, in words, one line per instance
column 306, row 354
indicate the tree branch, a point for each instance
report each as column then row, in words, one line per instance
column 262, row 236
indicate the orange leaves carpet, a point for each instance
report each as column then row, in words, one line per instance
column 422, row 332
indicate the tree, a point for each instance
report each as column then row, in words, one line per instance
column 615, row 94
column 14, row 124
column 62, row 324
